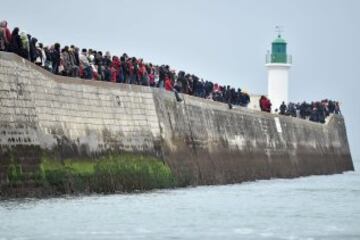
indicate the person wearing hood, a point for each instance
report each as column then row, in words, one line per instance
column 3, row 39
column 56, row 58
column 143, row 74
column 65, row 59
column 244, row 99
column 268, row 105
column 94, row 69
column 25, row 47
column 33, row 49
column 5, row 36
column 107, row 66
column 115, row 68
column 15, row 43
column 48, row 58
column 76, row 55
column 85, row 65
column 265, row 104
column 41, row 55
column 74, row 67
column 151, row 74
column 283, row 108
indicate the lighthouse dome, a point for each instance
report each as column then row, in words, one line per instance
column 279, row 39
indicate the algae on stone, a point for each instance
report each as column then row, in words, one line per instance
column 111, row 173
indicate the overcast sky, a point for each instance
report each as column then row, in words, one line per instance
column 220, row 40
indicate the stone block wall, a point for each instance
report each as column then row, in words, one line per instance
column 202, row 141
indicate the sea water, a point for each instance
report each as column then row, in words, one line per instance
column 315, row 207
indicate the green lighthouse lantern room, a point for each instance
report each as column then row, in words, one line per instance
column 278, row 50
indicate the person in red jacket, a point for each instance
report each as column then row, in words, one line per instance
column 169, row 87
column 168, row 83
column 5, row 36
column 268, row 105
column 265, row 104
column 115, row 67
column 142, row 74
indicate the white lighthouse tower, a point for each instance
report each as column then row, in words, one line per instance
column 278, row 64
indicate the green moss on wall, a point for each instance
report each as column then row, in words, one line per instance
column 29, row 171
column 14, row 173
column 111, row 173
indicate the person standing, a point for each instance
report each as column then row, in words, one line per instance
column 15, row 42
column 85, row 65
column 25, row 47
column 56, row 58
column 283, row 108
column 33, row 49
column 5, row 36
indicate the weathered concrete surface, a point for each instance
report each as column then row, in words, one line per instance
column 202, row 141
column 215, row 145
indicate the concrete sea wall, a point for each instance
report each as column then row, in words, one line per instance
column 203, row 142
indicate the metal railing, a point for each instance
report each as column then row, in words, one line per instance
column 270, row 58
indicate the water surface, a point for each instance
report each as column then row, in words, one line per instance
column 316, row 207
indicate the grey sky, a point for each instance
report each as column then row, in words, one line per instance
column 224, row 41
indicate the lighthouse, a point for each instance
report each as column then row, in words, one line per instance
column 278, row 64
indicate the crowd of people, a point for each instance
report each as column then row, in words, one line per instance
column 92, row 64
column 95, row 65
column 314, row 111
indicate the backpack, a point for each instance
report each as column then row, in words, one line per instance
column 2, row 39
